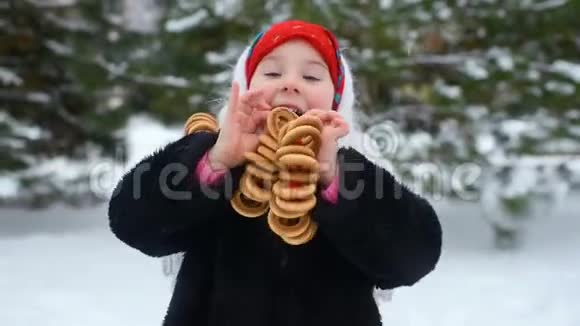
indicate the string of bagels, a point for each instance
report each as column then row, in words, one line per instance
column 280, row 177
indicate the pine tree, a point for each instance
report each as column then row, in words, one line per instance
column 65, row 93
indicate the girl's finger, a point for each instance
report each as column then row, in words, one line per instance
column 250, row 122
column 262, row 100
column 251, row 96
column 263, row 104
column 234, row 96
column 248, row 99
column 340, row 129
column 335, row 115
column 315, row 112
column 255, row 103
column 321, row 114
column 342, row 125
column 259, row 118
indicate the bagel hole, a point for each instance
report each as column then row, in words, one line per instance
column 295, row 184
column 263, row 184
column 297, row 169
column 289, row 222
column 249, row 202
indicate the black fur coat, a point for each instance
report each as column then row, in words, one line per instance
column 236, row 271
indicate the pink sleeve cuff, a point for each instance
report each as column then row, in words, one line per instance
column 205, row 174
column 330, row 194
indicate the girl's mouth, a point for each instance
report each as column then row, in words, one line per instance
column 295, row 110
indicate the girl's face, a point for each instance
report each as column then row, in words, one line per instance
column 296, row 76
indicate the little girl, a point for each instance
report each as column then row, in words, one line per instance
column 372, row 231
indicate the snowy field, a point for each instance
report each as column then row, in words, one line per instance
column 64, row 267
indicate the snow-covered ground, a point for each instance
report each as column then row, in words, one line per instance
column 475, row 284
column 64, row 267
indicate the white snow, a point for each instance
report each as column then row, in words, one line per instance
column 405, row 147
column 442, row 10
column 451, row 59
column 177, row 25
column 70, row 22
column 59, row 47
column 572, row 114
column 8, row 186
column 141, row 16
column 475, row 285
column 546, row 161
column 227, row 8
column 485, row 143
column 385, row 4
column 451, row 133
column 53, row 3
column 64, row 267
column 175, row 81
column 9, row 77
column 560, row 87
column 114, row 102
column 502, row 57
column 172, row 81
column 514, row 128
column 225, row 57
column 574, row 130
column 217, row 78
column 476, row 112
column 474, row 69
column 568, row 69
column 565, row 145
column 533, row 74
column 548, row 4
column 19, row 128
column 449, row 91
column 38, row 97
column 143, row 135
column 366, row 54
column 114, row 69
column 423, row 15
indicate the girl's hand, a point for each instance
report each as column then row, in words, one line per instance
column 245, row 117
column 333, row 128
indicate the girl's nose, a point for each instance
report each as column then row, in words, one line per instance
column 290, row 86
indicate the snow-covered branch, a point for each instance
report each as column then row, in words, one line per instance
column 547, row 5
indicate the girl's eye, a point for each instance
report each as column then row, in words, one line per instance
column 311, row 78
column 272, row 74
